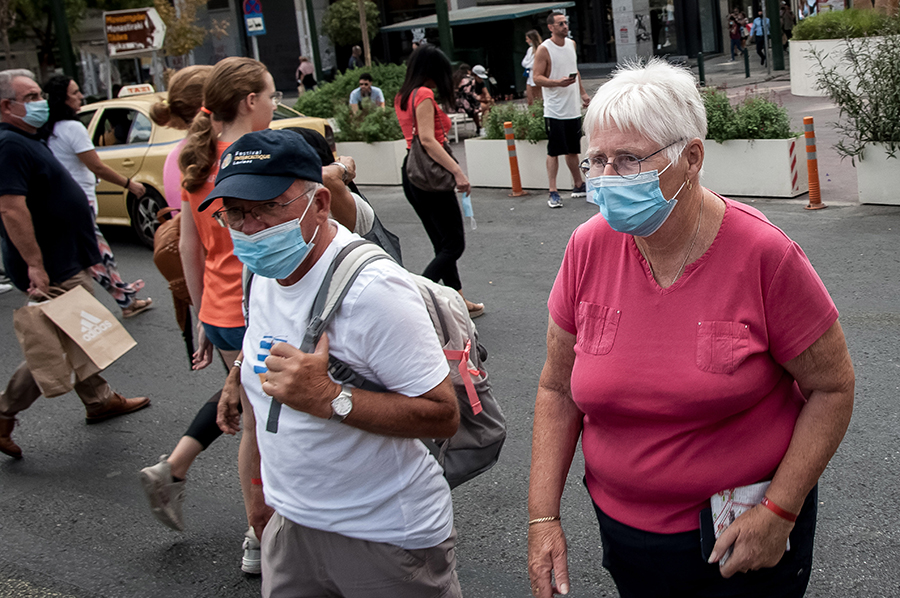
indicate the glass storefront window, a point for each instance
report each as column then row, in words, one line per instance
column 662, row 26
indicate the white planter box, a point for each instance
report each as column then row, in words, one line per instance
column 805, row 69
column 376, row 163
column 487, row 161
column 878, row 176
column 756, row 168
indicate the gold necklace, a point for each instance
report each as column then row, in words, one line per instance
column 686, row 256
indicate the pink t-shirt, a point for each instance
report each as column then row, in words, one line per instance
column 406, row 117
column 681, row 388
column 172, row 176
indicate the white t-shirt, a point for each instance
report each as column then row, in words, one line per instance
column 562, row 102
column 329, row 475
column 365, row 215
column 70, row 138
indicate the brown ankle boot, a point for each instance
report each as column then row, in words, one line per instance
column 7, row 446
column 115, row 406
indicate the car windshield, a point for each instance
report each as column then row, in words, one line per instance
column 283, row 112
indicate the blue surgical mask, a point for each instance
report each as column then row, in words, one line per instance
column 36, row 113
column 274, row 252
column 632, row 206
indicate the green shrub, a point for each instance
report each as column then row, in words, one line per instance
column 370, row 124
column 756, row 117
column 840, row 24
column 527, row 121
column 324, row 100
column 719, row 115
column 865, row 85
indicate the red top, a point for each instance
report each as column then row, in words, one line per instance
column 441, row 120
column 682, row 388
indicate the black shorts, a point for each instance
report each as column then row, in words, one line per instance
column 564, row 136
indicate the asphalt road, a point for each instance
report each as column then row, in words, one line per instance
column 74, row 521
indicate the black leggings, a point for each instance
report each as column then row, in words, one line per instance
column 204, row 428
column 442, row 219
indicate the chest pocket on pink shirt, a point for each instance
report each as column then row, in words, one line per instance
column 722, row 346
column 597, row 325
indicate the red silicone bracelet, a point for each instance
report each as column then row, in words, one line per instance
column 256, row 481
column 778, row 510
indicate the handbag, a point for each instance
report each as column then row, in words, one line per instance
column 421, row 169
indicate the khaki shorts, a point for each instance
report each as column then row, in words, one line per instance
column 299, row 562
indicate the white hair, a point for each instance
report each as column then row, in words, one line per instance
column 657, row 100
column 6, row 78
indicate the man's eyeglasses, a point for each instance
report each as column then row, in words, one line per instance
column 263, row 212
column 627, row 166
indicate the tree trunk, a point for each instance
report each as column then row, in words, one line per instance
column 364, row 29
column 887, row 7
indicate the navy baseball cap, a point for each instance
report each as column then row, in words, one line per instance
column 261, row 165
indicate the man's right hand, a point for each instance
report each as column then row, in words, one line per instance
column 39, row 285
column 258, row 512
column 228, row 416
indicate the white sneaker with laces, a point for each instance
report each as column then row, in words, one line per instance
column 251, row 561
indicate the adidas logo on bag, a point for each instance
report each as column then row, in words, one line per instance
column 92, row 326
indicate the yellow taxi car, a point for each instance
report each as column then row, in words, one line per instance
column 134, row 146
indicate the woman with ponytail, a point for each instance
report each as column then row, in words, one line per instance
column 238, row 97
column 71, row 144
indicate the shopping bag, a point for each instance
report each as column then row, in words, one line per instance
column 41, row 343
column 89, row 326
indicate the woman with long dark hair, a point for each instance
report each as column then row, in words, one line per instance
column 427, row 71
column 70, row 143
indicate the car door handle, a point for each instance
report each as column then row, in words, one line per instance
column 127, row 162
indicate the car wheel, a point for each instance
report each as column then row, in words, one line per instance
column 143, row 215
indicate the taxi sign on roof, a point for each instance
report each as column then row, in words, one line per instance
column 136, row 89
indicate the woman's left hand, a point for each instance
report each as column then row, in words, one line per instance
column 759, row 538
column 137, row 189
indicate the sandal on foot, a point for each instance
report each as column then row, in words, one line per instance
column 137, row 306
column 137, row 285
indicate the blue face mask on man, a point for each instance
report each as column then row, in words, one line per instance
column 274, row 252
column 36, row 113
column 632, row 206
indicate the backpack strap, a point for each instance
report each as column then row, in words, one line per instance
column 340, row 275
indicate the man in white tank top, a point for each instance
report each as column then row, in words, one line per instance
column 556, row 71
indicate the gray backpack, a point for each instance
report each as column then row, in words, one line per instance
column 476, row 445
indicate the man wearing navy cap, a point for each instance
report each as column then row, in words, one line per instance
column 361, row 509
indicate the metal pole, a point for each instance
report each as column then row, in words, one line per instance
column 254, row 45
column 700, row 66
column 775, row 31
column 64, row 42
column 443, row 19
column 311, row 19
column 765, row 31
column 746, row 62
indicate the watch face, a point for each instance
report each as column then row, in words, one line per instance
column 342, row 405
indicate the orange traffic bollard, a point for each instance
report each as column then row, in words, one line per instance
column 513, row 161
column 812, row 165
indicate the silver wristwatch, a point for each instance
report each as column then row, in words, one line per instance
column 342, row 404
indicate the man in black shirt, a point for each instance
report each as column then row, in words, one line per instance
column 47, row 238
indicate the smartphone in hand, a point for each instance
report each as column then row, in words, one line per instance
column 573, row 75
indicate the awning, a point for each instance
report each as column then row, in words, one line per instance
column 480, row 14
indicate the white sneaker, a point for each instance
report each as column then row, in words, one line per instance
column 165, row 494
column 5, row 287
column 251, row 561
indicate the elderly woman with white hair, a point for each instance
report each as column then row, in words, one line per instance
column 694, row 350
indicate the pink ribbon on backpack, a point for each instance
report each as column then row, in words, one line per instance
column 467, row 373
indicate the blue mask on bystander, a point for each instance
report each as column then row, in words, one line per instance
column 632, row 206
